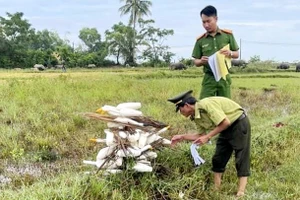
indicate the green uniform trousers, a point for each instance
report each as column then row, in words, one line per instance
column 235, row 138
column 210, row 87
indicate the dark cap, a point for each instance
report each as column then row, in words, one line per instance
column 182, row 99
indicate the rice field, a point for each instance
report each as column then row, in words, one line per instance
column 44, row 138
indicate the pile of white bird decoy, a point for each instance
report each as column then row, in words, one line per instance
column 130, row 136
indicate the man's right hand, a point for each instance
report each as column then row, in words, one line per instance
column 175, row 139
column 202, row 61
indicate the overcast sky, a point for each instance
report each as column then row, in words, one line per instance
column 268, row 28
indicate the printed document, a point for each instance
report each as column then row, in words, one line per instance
column 219, row 64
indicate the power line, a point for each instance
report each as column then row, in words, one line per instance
column 271, row 43
column 250, row 42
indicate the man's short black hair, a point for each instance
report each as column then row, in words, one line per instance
column 209, row 11
column 190, row 100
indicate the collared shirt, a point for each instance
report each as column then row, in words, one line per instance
column 207, row 45
column 211, row 111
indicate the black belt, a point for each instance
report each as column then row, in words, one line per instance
column 242, row 116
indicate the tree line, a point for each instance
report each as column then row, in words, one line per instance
column 22, row 46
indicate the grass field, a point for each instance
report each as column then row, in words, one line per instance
column 44, row 138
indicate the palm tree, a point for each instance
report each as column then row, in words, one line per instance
column 137, row 9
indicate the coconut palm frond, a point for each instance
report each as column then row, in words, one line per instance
column 148, row 121
column 106, row 118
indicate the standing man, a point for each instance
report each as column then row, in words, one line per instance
column 224, row 117
column 206, row 45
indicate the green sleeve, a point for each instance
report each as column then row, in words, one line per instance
column 197, row 51
column 233, row 44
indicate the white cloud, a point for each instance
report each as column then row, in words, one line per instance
column 69, row 8
column 277, row 4
column 278, row 25
column 264, row 4
column 292, row 7
column 252, row 20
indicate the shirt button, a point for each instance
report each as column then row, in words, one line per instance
column 214, row 38
column 215, row 47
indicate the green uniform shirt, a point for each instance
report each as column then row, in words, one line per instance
column 211, row 111
column 207, row 45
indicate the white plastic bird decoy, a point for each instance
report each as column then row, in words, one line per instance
column 128, row 112
column 138, row 152
column 110, row 137
column 152, row 138
column 146, row 162
column 140, row 167
column 112, row 171
column 150, row 154
column 106, row 151
column 132, row 105
column 98, row 140
column 111, row 110
column 143, row 139
column 133, row 139
column 123, row 134
column 163, row 130
column 98, row 163
column 127, row 121
column 132, row 152
column 166, row 141
column 142, row 157
column 113, row 164
column 114, row 125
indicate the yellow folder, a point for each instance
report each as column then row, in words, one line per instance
column 224, row 63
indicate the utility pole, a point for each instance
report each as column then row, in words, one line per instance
column 240, row 48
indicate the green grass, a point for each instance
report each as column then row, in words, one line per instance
column 44, row 138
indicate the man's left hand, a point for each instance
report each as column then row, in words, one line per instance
column 202, row 140
column 227, row 53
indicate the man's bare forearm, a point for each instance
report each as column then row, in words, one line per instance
column 235, row 54
column 218, row 129
column 191, row 137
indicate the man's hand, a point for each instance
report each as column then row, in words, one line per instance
column 227, row 53
column 175, row 139
column 202, row 61
column 202, row 140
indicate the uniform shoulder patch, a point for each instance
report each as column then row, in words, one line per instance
column 201, row 36
column 226, row 31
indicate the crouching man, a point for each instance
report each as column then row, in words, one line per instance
column 225, row 118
